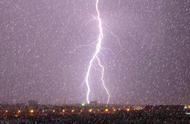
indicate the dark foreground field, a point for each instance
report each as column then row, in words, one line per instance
column 116, row 118
column 90, row 115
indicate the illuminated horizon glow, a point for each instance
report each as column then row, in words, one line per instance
column 95, row 57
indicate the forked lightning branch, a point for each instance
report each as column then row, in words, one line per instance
column 95, row 58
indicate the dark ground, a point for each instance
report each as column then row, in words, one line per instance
column 122, row 117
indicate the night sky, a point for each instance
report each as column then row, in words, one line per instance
column 46, row 45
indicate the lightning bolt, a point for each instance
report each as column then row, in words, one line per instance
column 95, row 57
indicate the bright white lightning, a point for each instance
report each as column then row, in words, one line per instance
column 95, row 57
column 102, row 78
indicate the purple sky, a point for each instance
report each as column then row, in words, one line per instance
column 45, row 47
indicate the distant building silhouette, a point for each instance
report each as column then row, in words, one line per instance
column 32, row 103
column 94, row 103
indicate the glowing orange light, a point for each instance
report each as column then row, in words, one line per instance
column 128, row 109
column 31, row 111
column 90, row 110
column 188, row 106
column 19, row 111
column 106, row 110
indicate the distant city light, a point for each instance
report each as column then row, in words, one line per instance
column 106, row 110
column 72, row 110
column 114, row 109
column 19, row 111
column 83, row 104
column 128, row 109
column 90, row 110
column 138, row 108
column 81, row 110
column 31, row 111
column 187, row 107
column 187, row 113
